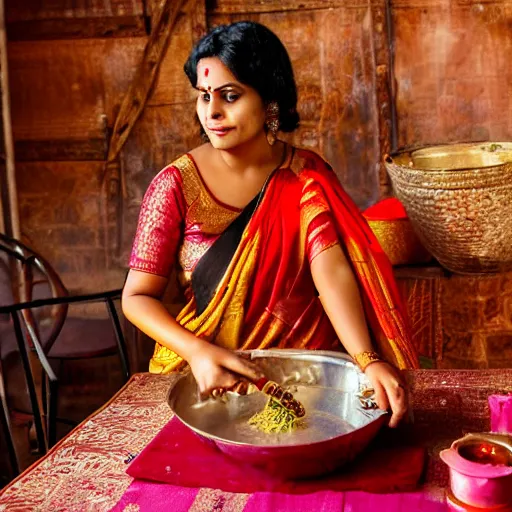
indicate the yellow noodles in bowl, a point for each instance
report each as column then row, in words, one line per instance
column 275, row 418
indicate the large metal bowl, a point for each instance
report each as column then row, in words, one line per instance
column 327, row 383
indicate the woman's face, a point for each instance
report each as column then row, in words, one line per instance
column 230, row 112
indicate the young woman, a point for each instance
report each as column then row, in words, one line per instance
column 269, row 249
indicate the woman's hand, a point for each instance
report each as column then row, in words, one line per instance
column 219, row 369
column 389, row 390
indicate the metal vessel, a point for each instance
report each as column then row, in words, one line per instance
column 341, row 419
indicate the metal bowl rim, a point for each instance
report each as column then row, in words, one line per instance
column 322, row 355
column 390, row 159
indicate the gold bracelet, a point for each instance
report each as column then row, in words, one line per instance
column 364, row 359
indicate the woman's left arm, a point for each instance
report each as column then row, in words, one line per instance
column 339, row 294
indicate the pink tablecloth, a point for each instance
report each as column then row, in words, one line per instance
column 151, row 497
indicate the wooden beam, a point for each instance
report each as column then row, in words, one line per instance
column 132, row 106
column 10, row 211
column 198, row 15
column 62, row 19
column 25, row 10
column 145, row 76
column 77, row 28
column 61, row 150
column 265, row 6
column 382, row 46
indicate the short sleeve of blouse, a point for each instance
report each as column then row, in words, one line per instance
column 316, row 220
column 321, row 235
column 160, row 226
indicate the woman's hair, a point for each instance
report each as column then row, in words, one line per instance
column 256, row 57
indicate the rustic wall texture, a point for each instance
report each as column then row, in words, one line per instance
column 373, row 76
column 459, row 321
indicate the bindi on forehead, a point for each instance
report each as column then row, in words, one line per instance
column 206, row 72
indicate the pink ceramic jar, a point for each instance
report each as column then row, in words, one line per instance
column 481, row 470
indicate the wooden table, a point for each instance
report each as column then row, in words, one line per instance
column 86, row 470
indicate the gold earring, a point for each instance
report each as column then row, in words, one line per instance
column 272, row 122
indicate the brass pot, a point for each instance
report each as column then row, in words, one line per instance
column 459, row 199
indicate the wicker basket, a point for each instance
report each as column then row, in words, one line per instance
column 459, row 199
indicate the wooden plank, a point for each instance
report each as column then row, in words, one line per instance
column 172, row 85
column 152, row 7
column 82, row 83
column 453, row 73
column 236, row 7
column 118, row 26
column 61, row 150
column 131, row 107
column 68, row 182
column 69, row 90
column 383, row 89
column 9, row 202
column 119, row 61
column 60, row 207
column 450, row 5
column 57, row 89
column 60, row 212
column 334, row 63
column 136, row 96
column 60, row 19
column 28, row 10
column 197, row 15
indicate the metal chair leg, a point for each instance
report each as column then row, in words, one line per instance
column 51, row 412
column 121, row 344
column 44, row 391
column 6, row 428
column 29, row 378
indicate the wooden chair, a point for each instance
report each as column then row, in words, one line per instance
column 39, row 321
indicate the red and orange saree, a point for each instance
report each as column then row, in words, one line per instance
column 263, row 296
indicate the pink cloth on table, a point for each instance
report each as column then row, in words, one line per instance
column 355, row 501
column 501, row 413
column 151, row 497
column 178, row 456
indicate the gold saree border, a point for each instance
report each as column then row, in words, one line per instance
column 223, row 317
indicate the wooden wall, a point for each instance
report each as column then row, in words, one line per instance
column 372, row 76
column 452, row 70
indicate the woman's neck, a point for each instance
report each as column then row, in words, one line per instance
column 256, row 155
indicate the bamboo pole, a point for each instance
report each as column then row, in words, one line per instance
column 13, row 213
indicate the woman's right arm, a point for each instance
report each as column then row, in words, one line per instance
column 155, row 250
column 213, row 367
column 143, row 307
